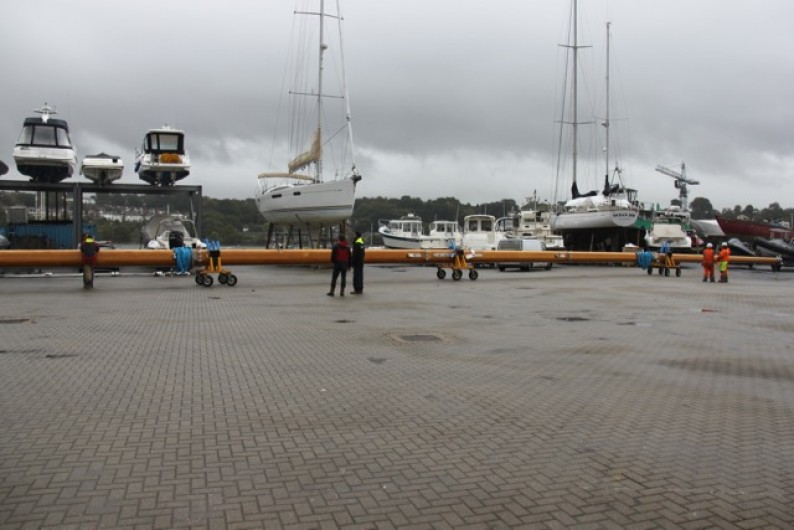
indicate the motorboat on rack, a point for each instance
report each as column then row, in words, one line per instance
column 318, row 188
column 162, row 159
column 102, row 168
column 44, row 150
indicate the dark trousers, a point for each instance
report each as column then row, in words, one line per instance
column 358, row 278
column 339, row 268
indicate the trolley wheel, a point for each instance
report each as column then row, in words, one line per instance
column 661, row 270
column 666, row 271
column 231, row 280
column 678, row 272
column 207, row 280
column 473, row 274
column 776, row 267
column 457, row 274
column 441, row 273
column 650, row 271
column 200, row 278
column 222, row 277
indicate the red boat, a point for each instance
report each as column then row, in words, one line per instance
column 750, row 229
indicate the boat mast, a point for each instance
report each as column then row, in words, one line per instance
column 348, row 123
column 575, row 85
column 575, row 94
column 606, row 120
column 318, row 165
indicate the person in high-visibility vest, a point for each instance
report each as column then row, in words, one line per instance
column 722, row 259
column 358, row 264
column 708, row 263
column 89, row 250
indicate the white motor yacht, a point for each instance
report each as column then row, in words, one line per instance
column 162, row 159
column 44, row 151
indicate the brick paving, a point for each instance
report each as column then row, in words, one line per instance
column 581, row 397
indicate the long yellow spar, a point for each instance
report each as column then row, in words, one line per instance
column 238, row 256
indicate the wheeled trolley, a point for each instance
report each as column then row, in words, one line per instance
column 664, row 263
column 458, row 265
column 214, row 266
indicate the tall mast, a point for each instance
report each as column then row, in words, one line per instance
column 344, row 88
column 318, row 165
column 575, row 94
column 606, row 121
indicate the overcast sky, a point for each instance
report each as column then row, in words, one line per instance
column 449, row 97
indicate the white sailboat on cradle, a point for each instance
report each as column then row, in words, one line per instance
column 318, row 188
column 614, row 207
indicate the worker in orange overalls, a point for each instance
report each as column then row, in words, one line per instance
column 722, row 259
column 708, row 263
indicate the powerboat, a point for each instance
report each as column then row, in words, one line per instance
column 102, row 168
column 670, row 226
column 165, row 231
column 532, row 221
column 44, row 150
column 408, row 232
column 319, row 187
column 479, row 232
column 162, row 159
column 446, row 233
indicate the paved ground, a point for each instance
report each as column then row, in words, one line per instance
column 589, row 397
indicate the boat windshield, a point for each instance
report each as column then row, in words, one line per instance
column 163, row 142
column 45, row 136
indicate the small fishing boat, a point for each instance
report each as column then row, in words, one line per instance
column 408, row 232
column 102, row 168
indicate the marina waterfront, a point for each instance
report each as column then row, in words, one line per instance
column 589, row 396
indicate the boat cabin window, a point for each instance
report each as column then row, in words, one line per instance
column 63, row 137
column 44, row 135
column 473, row 226
column 163, row 143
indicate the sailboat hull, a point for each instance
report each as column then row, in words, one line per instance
column 315, row 203
column 566, row 221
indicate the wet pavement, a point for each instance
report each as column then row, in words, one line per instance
column 586, row 397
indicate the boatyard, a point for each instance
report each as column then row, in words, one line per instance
column 589, row 396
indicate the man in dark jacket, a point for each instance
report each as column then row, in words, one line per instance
column 341, row 257
column 358, row 264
